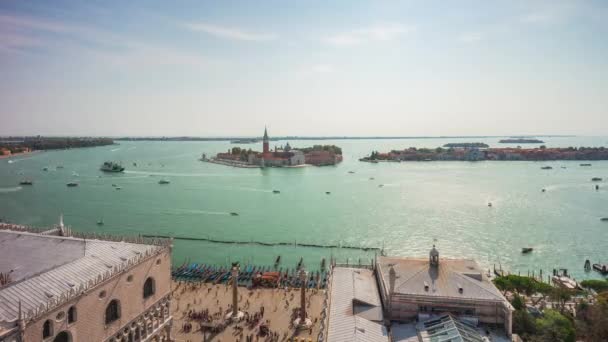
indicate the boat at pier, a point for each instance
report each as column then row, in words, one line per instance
column 111, row 167
column 602, row 268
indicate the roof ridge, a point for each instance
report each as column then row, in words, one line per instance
column 412, row 276
column 470, row 280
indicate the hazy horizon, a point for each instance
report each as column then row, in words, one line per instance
column 315, row 68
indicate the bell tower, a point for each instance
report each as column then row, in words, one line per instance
column 266, row 148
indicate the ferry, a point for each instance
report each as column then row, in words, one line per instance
column 111, row 167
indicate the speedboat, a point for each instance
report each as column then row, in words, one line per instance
column 527, row 250
column 72, row 184
column 163, row 181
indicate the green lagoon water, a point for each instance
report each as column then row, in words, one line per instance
column 418, row 203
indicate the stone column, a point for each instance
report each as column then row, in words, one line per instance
column 302, row 322
column 235, row 314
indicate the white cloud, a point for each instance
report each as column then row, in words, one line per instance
column 470, row 38
column 231, row 32
column 322, row 68
column 384, row 32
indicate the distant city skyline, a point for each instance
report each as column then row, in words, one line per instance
column 313, row 68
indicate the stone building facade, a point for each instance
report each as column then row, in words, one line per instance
column 71, row 289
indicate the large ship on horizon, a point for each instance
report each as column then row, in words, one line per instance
column 111, row 167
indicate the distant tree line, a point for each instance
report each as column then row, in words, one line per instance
column 19, row 144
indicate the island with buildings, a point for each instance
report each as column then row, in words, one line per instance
column 283, row 156
column 466, row 145
column 541, row 153
column 520, row 141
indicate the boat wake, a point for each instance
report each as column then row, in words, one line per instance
column 13, row 189
column 171, row 174
column 196, row 212
column 114, row 150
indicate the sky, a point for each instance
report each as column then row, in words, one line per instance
column 303, row 67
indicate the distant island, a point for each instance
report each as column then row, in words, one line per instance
column 521, row 141
column 466, row 145
column 476, row 154
column 295, row 137
column 244, row 141
column 17, row 145
column 284, row 156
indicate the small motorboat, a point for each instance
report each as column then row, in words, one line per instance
column 118, row 188
column 527, row 250
column 371, row 178
column 563, row 167
column 75, row 174
column 596, row 179
column 135, row 164
column 276, row 192
column 351, row 171
column 72, row 184
column 45, row 168
column 59, row 166
column 585, row 164
column 544, row 190
column 327, row 193
column 113, row 185
column 604, row 219
column 489, row 204
column 234, row 214
column 546, row 168
column 163, row 181
column 380, row 185
column 100, row 222
column 26, row 182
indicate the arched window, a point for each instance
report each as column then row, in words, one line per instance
column 149, row 287
column 47, row 329
column 63, row 336
column 72, row 314
column 112, row 311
